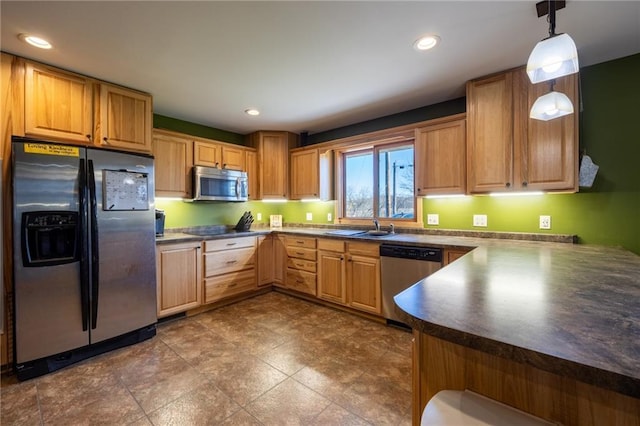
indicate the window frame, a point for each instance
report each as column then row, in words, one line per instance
column 340, row 174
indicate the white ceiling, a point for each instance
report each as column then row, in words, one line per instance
column 308, row 66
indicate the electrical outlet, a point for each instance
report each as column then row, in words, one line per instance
column 309, row 216
column 329, row 217
column 433, row 219
column 480, row 220
column 259, row 216
column 545, row 222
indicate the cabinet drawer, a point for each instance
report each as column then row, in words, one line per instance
column 301, row 253
column 301, row 281
column 331, row 245
column 302, row 264
column 222, row 262
column 229, row 243
column 364, row 249
column 227, row 285
column 300, row 242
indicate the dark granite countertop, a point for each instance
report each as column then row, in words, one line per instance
column 572, row 310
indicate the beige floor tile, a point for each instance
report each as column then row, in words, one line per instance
column 335, row 415
column 289, row 403
column 285, row 360
column 329, row 377
column 206, row 405
column 19, row 403
column 241, row 418
column 378, row 401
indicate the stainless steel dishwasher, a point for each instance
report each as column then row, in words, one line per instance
column 401, row 267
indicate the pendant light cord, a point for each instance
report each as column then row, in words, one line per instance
column 551, row 17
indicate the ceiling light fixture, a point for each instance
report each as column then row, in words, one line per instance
column 550, row 106
column 426, row 42
column 252, row 111
column 556, row 55
column 35, row 41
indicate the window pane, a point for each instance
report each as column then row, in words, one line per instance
column 396, row 196
column 358, row 191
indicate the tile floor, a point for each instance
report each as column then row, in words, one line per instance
column 269, row 360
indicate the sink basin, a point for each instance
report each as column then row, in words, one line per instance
column 374, row 233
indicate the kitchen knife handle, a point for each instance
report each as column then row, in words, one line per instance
column 95, row 256
column 84, row 264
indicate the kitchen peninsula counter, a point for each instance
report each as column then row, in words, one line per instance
column 569, row 310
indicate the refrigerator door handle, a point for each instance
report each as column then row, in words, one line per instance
column 84, row 263
column 95, row 257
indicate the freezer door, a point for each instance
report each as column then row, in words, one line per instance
column 48, row 310
column 124, row 293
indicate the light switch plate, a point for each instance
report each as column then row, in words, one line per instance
column 259, row 216
column 480, row 220
column 433, row 219
column 329, row 217
column 309, row 216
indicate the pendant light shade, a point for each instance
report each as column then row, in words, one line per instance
column 550, row 106
column 553, row 57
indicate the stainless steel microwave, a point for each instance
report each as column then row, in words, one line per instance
column 212, row 184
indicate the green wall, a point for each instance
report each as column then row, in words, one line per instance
column 608, row 213
column 194, row 129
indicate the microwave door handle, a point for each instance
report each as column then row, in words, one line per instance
column 238, row 188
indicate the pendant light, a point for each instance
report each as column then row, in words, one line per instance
column 550, row 106
column 556, row 55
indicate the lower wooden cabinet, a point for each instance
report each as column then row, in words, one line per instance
column 301, row 264
column 453, row 254
column 364, row 291
column 331, row 271
column 230, row 267
column 349, row 274
column 179, row 277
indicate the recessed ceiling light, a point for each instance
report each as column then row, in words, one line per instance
column 426, row 42
column 252, row 111
column 35, row 41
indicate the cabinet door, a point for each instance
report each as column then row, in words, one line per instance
column 57, row 104
column 179, row 277
column 251, row 167
column 233, row 158
column 548, row 149
column 273, row 161
column 440, row 152
column 331, row 277
column 279, row 260
column 124, row 119
column 490, row 134
column 266, row 264
column 207, row 154
column 173, row 162
column 363, row 283
column 304, row 174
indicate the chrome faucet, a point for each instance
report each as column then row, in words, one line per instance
column 377, row 225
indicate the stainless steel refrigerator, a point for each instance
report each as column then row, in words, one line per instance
column 83, row 253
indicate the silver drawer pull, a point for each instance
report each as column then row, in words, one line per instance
column 231, row 244
column 231, row 262
column 300, row 254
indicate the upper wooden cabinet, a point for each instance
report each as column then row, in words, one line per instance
column 273, row 163
column 440, row 151
column 123, row 118
column 206, row 154
column 311, row 174
column 251, row 167
column 508, row 151
column 58, row 104
column 73, row 108
column 173, row 154
column 218, row 154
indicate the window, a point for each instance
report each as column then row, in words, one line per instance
column 378, row 183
